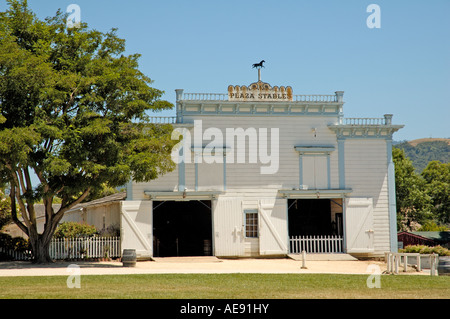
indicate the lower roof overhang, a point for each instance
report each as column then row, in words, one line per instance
column 314, row 193
column 183, row 196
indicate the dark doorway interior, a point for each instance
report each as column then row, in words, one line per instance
column 182, row 228
column 309, row 217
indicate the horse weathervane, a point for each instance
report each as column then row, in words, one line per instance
column 259, row 66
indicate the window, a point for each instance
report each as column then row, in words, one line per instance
column 251, row 223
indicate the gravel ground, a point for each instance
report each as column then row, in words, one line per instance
column 198, row 265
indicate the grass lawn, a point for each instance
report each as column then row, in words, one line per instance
column 226, row 286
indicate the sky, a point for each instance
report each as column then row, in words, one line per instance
column 316, row 47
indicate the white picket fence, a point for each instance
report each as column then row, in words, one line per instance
column 316, row 244
column 16, row 255
column 90, row 247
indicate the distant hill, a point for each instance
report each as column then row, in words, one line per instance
column 422, row 140
column 424, row 150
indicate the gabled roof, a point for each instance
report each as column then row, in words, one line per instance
column 117, row 197
column 40, row 208
column 411, row 234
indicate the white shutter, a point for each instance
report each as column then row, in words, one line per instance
column 320, row 172
column 359, row 224
column 228, row 229
column 273, row 227
column 136, row 227
column 308, row 172
column 315, row 172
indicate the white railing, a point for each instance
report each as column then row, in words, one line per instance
column 90, row 247
column 224, row 97
column 316, row 244
column 163, row 119
column 205, row 96
column 315, row 98
column 363, row 121
column 394, row 260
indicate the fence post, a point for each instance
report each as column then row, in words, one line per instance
column 405, row 262
column 419, row 264
column 433, row 265
column 396, row 261
column 304, row 260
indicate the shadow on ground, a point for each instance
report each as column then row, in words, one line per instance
column 58, row 264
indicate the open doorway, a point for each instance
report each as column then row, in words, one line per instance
column 182, row 228
column 309, row 217
column 315, row 225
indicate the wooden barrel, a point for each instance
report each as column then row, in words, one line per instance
column 444, row 266
column 129, row 258
column 207, row 247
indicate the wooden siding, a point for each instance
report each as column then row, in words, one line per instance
column 167, row 182
column 366, row 175
column 99, row 216
column 292, row 132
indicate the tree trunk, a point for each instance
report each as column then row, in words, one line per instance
column 41, row 249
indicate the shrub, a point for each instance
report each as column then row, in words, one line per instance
column 13, row 243
column 74, row 229
column 5, row 240
column 422, row 249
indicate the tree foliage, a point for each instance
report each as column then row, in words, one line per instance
column 437, row 177
column 413, row 204
column 73, row 110
column 422, row 199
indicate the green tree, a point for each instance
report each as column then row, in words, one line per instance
column 413, row 202
column 437, row 177
column 74, row 112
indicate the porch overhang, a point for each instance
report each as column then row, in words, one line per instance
column 314, row 193
column 183, row 196
column 314, row 149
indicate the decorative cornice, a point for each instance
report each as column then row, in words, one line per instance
column 364, row 131
column 259, row 108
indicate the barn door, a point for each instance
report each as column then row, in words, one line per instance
column 228, row 230
column 273, row 226
column 136, row 227
column 359, row 225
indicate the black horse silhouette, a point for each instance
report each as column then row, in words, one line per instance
column 259, row 65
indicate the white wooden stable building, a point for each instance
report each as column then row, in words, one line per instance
column 264, row 172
